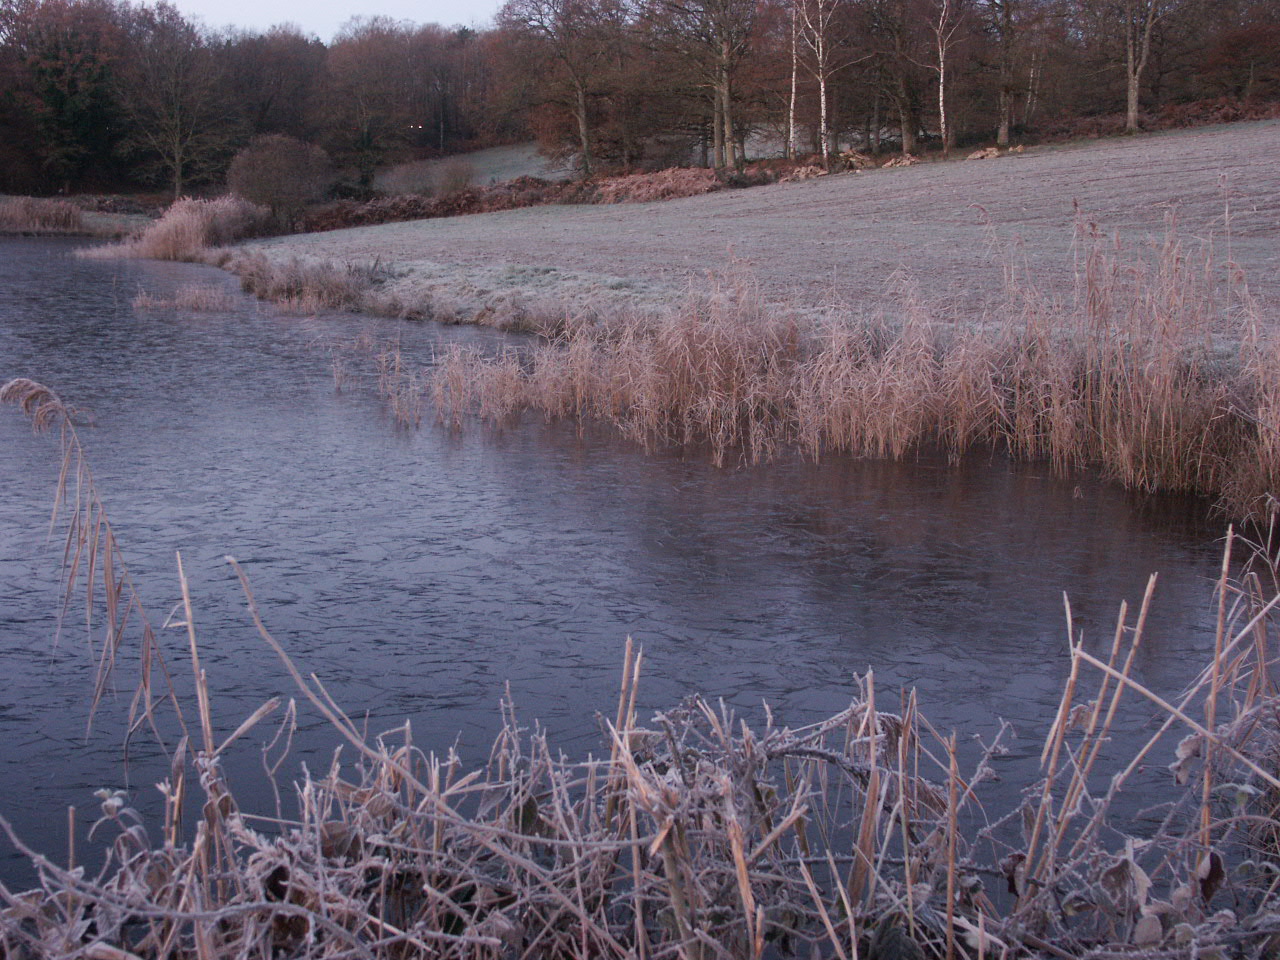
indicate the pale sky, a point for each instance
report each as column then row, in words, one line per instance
column 324, row 17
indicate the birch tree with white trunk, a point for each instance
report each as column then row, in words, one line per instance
column 947, row 21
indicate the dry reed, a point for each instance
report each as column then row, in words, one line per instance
column 190, row 230
column 694, row 835
column 1154, row 373
column 33, row 215
column 190, row 297
column 302, row 285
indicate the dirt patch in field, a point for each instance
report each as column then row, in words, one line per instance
column 951, row 231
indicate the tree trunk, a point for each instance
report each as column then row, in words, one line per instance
column 1131, row 104
column 791, row 105
column 1137, row 53
column 1006, row 111
column 822, row 120
column 726, row 91
column 1033, row 90
column 876, row 123
column 906, row 118
column 1006, row 74
column 717, row 128
column 584, row 129
column 943, row 129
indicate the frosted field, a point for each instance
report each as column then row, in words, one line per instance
column 951, row 232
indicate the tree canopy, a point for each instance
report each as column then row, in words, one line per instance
column 96, row 94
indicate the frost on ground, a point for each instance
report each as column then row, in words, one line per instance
column 480, row 167
column 953, row 233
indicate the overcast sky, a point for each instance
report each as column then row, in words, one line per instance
column 324, row 17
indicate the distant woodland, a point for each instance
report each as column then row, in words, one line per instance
column 108, row 95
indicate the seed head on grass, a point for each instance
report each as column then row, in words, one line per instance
column 38, row 402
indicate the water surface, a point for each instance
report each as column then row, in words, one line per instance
column 419, row 573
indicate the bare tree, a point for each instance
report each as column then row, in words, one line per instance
column 948, row 16
column 1140, row 17
column 791, row 100
column 1001, row 22
column 818, row 20
column 899, row 47
column 576, row 37
column 1126, row 28
column 371, row 109
column 181, row 121
column 714, row 36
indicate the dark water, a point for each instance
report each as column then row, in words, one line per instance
column 417, row 572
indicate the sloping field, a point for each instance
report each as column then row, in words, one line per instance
column 481, row 166
column 951, row 230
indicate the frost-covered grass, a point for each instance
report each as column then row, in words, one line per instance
column 492, row 165
column 950, row 231
column 1151, row 372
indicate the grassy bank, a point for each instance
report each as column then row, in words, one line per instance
column 101, row 217
column 1157, row 370
column 692, row 834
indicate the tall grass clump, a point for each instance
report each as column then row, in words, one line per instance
column 34, row 215
column 304, row 285
column 190, row 230
column 693, row 834
column 1153, row 370
column 190, row 298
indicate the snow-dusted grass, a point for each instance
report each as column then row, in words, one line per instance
column 1151, row 373
column 493, row 165
column 952, row 231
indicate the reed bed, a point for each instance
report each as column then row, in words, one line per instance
column 35, row 215
column 305, row 286
column 190, row 297
column 399, row 383
column 1156, row 371
column 692, row 834
column 190, row 230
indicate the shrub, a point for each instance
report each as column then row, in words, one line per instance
column 282, row 174
column 660, row 185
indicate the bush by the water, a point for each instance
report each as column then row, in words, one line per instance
column 280, row 173
column 303, row 285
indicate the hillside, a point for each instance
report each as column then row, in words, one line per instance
column 951, row 230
